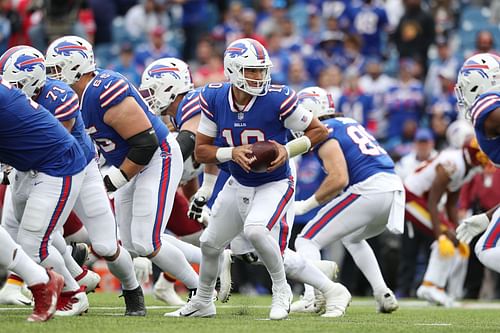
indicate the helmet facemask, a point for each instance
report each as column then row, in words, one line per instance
column 254, row 87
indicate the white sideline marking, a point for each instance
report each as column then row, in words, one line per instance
column 433, row 324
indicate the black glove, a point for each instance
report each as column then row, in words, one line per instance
column 196, row 208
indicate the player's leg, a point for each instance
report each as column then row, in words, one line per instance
column 488, row 248
column 83, row 276
column 337, row 296
column 335, row 221
column 153, row 199
column 47, row 208
column 225, row 223
column 14, row 291
column 270, row 203
column 438, row 266
column 74, row 231
column 181, row 225
column 46, row 287
column 94, row 210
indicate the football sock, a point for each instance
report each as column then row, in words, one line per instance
column 366, row 261
column 171, row 260
column 302, row 270
column 123, row 268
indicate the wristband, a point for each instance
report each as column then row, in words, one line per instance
column 224, row 154
column 298, row 146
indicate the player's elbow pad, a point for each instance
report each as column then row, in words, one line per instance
column 142, row 146
column 186, row 140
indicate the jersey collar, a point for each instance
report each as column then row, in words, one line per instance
column 233, row 106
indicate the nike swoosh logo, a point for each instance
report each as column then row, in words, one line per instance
column 106, row 86
column 188, row 314
column 37, row 183
column 63, row 99
column 25, row 303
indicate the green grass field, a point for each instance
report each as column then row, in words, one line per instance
column 249, row 314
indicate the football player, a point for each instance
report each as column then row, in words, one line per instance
column 24, row 67
column 45, row 285
column 49, row 171
column 425, row 188
column 478, row 93
column 360, row 182
column 235, row 115
column 167, row 86
column 146, row 159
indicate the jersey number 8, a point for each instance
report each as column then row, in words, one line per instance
column 365, row 141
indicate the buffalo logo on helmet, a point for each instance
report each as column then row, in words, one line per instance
column 306, row 95
column 236, row 50
column 28, row 63
column 158, row 71
column 66, row 48
column 472, row 65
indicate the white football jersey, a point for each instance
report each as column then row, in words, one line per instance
column 420, row 181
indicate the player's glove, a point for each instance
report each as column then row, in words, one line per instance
column 303, row 206
column 463, row 250
column 471, row 227
column 6, row 174
column 446, row 247
column 195, row 211
column 143, row 269
column 200, row 198
column 114, row 179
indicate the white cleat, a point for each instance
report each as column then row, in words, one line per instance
column 330, row 269
column 194, row 308
column 72, row 303
column 434, row 295
column 12, row 294
column 337, row 300
column 225, row 277
column 386, row 302
column 304, row 305
column 164, row 290
column 282, row 299
column 89, row 279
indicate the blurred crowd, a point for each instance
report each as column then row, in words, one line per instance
column 391, row 65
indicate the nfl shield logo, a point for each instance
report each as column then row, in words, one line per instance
column 241, row 115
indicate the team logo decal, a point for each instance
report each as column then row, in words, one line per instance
column 236, row 50
column 159, row 70
column 66, row 48
column 28, row 63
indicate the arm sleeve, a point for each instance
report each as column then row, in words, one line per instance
column 299, row 120
column 207, row 126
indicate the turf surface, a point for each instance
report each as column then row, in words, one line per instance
column 249, row 314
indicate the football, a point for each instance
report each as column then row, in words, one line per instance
column 263, row 153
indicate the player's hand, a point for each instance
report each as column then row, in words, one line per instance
column 240, row 156
column 195, row 210
column 471, row 227
column 303, row 206
column 143, row 269
column 114, row 179
column 446, row 247
column 280, row 159
column 300, row 207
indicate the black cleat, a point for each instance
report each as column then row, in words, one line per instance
column 134, row 302
column 80, row 253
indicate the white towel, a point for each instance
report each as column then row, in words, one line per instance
column 397, row 214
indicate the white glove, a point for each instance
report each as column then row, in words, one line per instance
column 114, row 179
column 143, row 269
column 303, row 206
column 201, row 197
column 471, row 227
